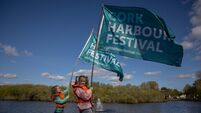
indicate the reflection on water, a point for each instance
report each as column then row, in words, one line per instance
column 48, row 107
column 99, row 106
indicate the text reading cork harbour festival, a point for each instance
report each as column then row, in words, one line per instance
column 134, row 34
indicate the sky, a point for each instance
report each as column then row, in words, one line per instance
column 40, row 41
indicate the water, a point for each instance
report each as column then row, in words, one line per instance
column 48, row 107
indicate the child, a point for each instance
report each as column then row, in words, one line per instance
column 60, row 98
column 83, row 94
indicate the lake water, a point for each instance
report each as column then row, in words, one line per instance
column 48, row 107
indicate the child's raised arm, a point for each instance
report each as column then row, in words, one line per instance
column 67, row 90
column 61, row 101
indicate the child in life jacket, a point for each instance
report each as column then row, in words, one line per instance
column 60, row 98
column 83, row 94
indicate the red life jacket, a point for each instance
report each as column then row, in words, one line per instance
column 60, row 95
column 83, row 87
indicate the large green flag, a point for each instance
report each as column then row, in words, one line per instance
column 138, row 33
column 102, row 59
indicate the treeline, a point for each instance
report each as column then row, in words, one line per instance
column 25, row 92
column 146, row 92
column 193, row 92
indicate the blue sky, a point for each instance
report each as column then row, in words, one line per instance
column 40, row 41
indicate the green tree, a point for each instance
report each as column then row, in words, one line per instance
column 189, row 91
column 150, row 85
column 197, row 85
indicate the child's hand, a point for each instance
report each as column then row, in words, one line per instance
column 68, row 95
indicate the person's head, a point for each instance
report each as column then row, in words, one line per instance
column 83, row 80
column 56, row 89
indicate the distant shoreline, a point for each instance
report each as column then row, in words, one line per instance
column 147, row 92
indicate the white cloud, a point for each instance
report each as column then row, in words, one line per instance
column 112, row 78
column 52, row 77
column 193, row 39
column 12, row 51
column 152, row 73
column 116, row 83
column 123, row 64
column 45, row 74
column 87, row 72
column 27, row 53
column 9, row 50
column 187, row 44
column 196, row 32
column 102, row 73
column 196, row 13
column 186, row 76
column 56, row 77
column 195, row 75
column 7, row 75
column 128, row 76
column 198, row 74
column 116, row 78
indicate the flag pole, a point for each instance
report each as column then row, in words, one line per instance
column 78, row 58
column 96, row 46
column 76, row 62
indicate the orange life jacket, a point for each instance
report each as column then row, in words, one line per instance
column 83, row 87
column 60, row 95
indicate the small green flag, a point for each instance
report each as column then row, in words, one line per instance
column 138, row 33
column 102, row 59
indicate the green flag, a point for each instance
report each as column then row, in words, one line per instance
column 102, row 59
column 138, row 33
